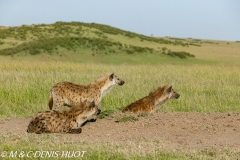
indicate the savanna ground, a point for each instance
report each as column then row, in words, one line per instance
column 204, row 123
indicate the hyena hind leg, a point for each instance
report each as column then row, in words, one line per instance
column 58, row 105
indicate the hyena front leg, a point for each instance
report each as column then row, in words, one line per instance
column 75, row 131
column 93, row 118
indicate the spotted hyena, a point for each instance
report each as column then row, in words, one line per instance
column 68, row 94
column 153, row 101
column 63, row 121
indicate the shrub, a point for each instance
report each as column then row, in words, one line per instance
column 127, row 118
column 106, row 113
column 180, row 54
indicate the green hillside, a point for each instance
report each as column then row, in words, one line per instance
column 83, row 38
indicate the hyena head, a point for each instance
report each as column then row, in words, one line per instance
column 172, row 94
column 115, row 80
column 92, row 108
column 162, row 95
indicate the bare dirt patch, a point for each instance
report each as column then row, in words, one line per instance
column 184, row 130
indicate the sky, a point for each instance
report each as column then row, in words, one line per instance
column 201, row 19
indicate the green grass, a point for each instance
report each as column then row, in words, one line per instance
column 105, row 113
column 39, row 145
column 127, row 118
column 203, row 88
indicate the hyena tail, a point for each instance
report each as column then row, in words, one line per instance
column 50, row 102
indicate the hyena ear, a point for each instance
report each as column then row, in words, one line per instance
column 111, row 76
column 169, row 89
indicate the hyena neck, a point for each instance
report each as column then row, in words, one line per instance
column 104, row 86
column 161, row 101
column 75, row 111
column 105, row 89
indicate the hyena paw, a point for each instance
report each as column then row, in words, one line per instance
column 92, row 120
column 76, row 131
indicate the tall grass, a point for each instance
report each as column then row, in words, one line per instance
column 25, row 85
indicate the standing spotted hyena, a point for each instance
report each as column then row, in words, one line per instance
column 68, row 94
column 63, row 121
column 153, row 101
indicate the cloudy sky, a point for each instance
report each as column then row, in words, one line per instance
column 204, row 19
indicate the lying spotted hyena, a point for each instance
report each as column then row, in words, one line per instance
column 67, row 93
column 63, row 121
column 153, row 101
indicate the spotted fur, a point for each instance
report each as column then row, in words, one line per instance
column 153, row 101
column 68, row 94
column 63, row 121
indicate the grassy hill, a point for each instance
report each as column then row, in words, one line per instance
column 90, row 42
column 62, row 38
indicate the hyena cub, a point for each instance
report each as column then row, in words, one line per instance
column 68, row 94
column 153, row 101
column 63, row 121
